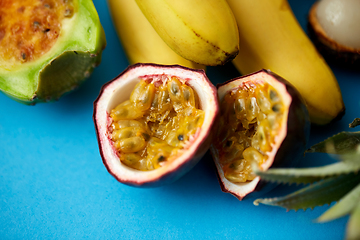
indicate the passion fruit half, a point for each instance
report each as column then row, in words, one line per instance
column 263, row 122
column 47, row 47
column 154, row 122
column 334, row 28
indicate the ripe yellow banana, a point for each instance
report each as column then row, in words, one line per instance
column 271, row 38
column 203, row 31
column 140, row 41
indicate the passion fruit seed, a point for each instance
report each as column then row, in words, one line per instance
column 158, row 120
column 29, row 28
column 249, row 122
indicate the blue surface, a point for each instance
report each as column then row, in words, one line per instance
column 53, row 184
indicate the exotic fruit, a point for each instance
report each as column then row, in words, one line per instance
column 279, row 43
column 334, row 28
column 153, row 122
column 47, row 47
column 264, row 123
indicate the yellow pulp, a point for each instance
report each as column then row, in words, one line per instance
column 159, row 119
column 29, row 28
column 250, row 120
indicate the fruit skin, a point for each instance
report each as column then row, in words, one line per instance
column 346, row 57
column 68, row 63
column 286, row 152
column 204, row 32
column 139, row 39
column 271, row 38
column 118, row 90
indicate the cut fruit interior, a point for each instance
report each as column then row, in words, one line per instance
column 47, row 47
column 253, row 127
column 333, row 27
column 251, row 116
column 153, row 122
column 159, row 120
column 340, row 21
column 29, row 28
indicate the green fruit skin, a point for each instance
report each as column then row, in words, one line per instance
column 70, row 61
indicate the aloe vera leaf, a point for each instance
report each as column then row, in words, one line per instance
column 306, row 175
column 355, row 123
column 353, row 226
column 318, row 194
column 340, row 143
column 345, row 206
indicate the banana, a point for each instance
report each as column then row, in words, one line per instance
column 271, row 38
column 140, row 41
column 200, row 31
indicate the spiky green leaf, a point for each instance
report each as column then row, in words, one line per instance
column 355, row 123
column 320, row 193
column 306, row 175
column 351, row 158
column 345, row 206
column 353, row 227
column 340, row 143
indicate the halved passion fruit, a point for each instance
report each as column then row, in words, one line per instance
column 334, row 28
column 263, row 122
column 153, row 122
column 47, row 47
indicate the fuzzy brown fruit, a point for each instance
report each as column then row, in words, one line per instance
column 130, row 163
column 263, row 122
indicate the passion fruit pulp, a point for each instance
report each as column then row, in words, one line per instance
column 263, row 122
column 47, row 47
column 153, row 122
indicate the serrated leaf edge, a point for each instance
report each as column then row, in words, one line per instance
column 345, row 206
column 308, row 192
column 306, row 175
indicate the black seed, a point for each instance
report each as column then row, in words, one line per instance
column 228, row 143
column 68, row 12
column 273, row 95
column 174, row 88
column 23, row 56
column 146, row 136
column 186, row 95
column 276, row 108
column 75, row 52
column 262, row 137
column 181, row 137
column 46, row 30
column 161, row 159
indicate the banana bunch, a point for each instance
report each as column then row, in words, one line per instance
column 211, row 32
column 139, row 39
column 201, row 31
column 271, row 38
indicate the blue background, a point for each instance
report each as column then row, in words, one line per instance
column 53, row 184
